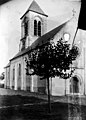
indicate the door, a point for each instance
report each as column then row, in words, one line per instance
column 74, row 86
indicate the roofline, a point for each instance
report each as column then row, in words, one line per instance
column 32, row 11
column 7, row 66
column 18, row 56
column 30, row 47
column 25, row 52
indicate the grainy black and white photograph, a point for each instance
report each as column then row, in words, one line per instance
column 42, row 59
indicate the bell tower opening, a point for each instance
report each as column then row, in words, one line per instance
column 37, row 27
column 33, row 25
column 26, row 28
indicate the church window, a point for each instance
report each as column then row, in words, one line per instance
column 23, row 45
column 39, row 28
column 66, row 36
column 13, row 73
column 8, row 75
column 19, row 69
column 26, row 27
column 35, row 27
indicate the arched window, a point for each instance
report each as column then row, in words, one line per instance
column 26, row 27
column 13, row 74
column 35, row 27
column 8, row 75
column 39, row 28
column 19, row 69
column 23, row 45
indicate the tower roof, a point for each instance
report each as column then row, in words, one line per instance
column 34, row 7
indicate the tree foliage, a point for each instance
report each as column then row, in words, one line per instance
column 2, row 76
column 52, row 60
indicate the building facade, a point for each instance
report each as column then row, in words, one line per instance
column 33, row 33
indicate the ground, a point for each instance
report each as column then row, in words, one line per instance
column 22, row 104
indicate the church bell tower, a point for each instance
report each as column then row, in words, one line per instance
column 33, row 25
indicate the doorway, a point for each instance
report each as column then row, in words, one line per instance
column 74, row 86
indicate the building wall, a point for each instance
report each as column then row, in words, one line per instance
column 59, row 85
column 42, row 85
column 18, row 83
column 30, row 38
column 32, row 16
column 23, row 82
column 7, row 77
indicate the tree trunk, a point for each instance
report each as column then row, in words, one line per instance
column 65, row 87
column 48, row 87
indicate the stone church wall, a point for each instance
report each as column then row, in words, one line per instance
column 59, row 86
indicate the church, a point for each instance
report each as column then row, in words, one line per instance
column 33, row 33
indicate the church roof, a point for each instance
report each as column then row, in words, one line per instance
column 34, row 7
column 8, row 65
column 41, row 40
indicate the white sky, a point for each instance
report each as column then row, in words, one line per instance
column 10, row 24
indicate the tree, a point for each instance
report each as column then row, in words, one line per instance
column 2, row 76
column 52, row 60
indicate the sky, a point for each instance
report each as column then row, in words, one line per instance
column 10, row 23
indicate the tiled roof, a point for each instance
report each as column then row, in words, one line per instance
column 34, row 7
column 41, row 40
